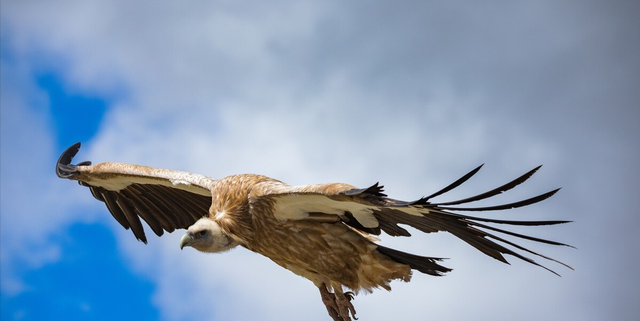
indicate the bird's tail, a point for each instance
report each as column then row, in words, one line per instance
column 427, row 265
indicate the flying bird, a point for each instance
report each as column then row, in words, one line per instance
column 325, row 232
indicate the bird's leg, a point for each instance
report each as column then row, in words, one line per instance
column 329, row 300
column 345, row 306
column 338, row 304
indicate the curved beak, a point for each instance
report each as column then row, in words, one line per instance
column 185, row 240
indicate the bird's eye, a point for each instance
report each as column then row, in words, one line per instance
column 202, row 233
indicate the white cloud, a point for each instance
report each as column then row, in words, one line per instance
column 313, row 93
column 34, row 206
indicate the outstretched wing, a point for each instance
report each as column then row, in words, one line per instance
column 165, row 199
column 370, row 211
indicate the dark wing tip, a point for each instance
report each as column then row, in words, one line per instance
column 449, row 187
column 64, row 168
column 69, row 153
column 498, row 190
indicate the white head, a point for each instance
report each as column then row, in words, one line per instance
column 207, row 236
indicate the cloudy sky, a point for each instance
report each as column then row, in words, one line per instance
column 412, row 95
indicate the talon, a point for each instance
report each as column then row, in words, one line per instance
column 349, row 295
column 338, row 305
column 347, row 310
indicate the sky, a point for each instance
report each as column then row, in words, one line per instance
column 411, row 94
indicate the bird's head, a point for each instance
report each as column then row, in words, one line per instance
column 207, row 236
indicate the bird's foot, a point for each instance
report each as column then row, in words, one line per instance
column 338, row 305
column 344, row 304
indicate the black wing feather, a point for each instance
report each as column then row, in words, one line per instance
column 434, row 217
column 424, row 200
column 496, row 190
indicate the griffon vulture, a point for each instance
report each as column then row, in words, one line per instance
column 323, row 232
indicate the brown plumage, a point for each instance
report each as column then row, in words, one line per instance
column 325, row 233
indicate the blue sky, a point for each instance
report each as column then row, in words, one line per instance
column 411, row 95
column 88, row 253
column 63, row 106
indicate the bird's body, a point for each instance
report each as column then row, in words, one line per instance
column 315, row 248
column 325, row 233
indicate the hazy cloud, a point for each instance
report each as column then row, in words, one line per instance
column 412, row 95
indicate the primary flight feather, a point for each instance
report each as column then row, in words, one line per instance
column 324, row 232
